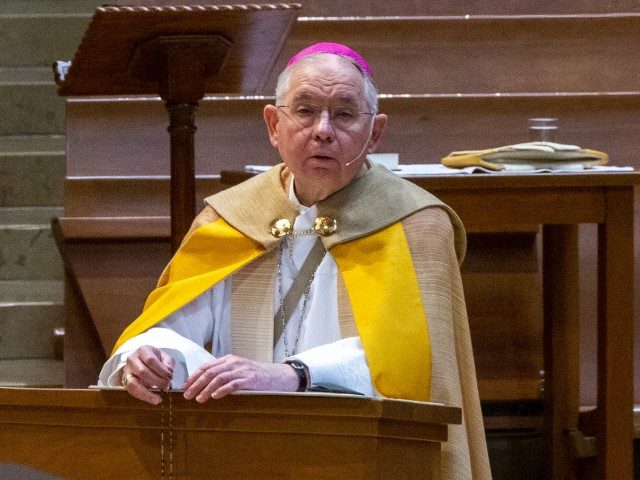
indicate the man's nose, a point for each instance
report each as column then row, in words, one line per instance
column 323, row 129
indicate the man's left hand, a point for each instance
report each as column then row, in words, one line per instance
column 225, row 375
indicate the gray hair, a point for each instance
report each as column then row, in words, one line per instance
column 369, row 91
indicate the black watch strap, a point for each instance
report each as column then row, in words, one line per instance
column 301, row 370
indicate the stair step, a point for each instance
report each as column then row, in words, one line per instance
column 28, row 252
column 28, row 144
column 29, row 291
column 31, row 179
column 26, row 76
column 48, row 6
column 31, row 108
column 40, row 39
column 35, row 372
column 27, row 329
column 29, row 215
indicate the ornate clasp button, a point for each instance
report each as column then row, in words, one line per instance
column 281, row 227
column 325, row 226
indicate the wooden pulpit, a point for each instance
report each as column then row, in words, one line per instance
column 82, row 434
column 179, row 53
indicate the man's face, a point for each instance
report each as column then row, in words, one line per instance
column 324, row 155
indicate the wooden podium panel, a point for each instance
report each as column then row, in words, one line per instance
column 82, row 434
column 110, row 63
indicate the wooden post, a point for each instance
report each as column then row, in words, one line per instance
column 181, row 64
column 614, row 431
column 561, row 307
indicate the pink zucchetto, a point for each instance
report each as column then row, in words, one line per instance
column 336, row 49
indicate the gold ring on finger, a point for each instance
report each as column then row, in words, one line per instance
column 126, row 379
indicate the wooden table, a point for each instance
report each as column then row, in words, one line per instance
column 560, row 202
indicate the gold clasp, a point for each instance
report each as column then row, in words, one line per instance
column 325, row 226
column 281, row 227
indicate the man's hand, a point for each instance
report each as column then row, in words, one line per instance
column 147, row 368
column 225, row 375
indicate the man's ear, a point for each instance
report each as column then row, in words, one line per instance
column 379, row 124
column 270, row 115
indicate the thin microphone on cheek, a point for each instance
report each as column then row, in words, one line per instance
column 366, row 143
column 359, row 155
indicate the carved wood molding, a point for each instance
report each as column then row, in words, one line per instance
column 197, row 8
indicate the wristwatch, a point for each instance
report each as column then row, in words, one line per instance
column 302, row 372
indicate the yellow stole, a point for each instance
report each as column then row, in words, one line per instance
column 380, row 280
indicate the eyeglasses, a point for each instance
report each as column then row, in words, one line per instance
column 306, row 115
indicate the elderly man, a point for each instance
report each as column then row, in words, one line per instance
column 325, row 272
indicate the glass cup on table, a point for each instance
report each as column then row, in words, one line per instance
column 543, row 129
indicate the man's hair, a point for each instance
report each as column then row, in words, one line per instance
column 369, row 91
